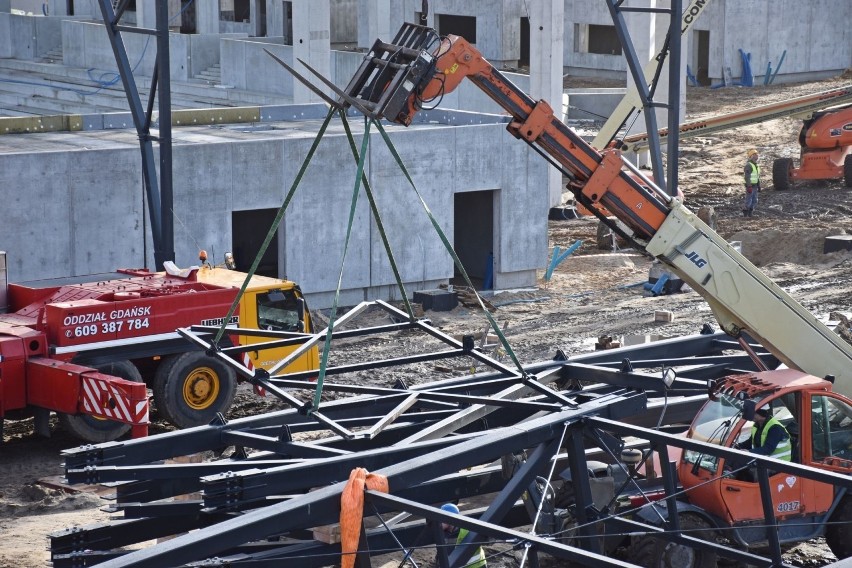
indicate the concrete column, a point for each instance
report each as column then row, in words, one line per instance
column 276, row 16
column 146, row 14
column 257, row 27
column 206, row 17
column 374, row 22
column 546, row 39
column 311, row 42
column 5, row 6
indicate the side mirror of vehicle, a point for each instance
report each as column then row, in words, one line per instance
column 300, row 310
column 749, row 407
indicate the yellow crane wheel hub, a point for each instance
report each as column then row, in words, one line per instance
column 201, row 388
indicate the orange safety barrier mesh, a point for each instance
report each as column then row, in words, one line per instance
column 352, row 510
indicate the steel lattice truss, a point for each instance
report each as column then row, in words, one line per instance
column 488, row 437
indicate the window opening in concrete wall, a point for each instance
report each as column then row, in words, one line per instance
column 235, row 10
column 473, row 236
column 702, row 55
column 592, row 38
column 524, row 59
column 288, row 23
column 603, row 40
column 463, row 26
column 188, row 20
column 248, row 231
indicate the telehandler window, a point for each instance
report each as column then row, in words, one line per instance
column 831, row 428
column 277, row 310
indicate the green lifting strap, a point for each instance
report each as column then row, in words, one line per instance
column 378, row 220
column 450, row 250
column 330, row 330
column 274, row 226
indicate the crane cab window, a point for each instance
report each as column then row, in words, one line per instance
column 278, row 310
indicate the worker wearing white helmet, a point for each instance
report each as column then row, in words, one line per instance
column 752, row 182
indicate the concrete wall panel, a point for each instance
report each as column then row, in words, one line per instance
column 105, row 210
column 5, row 35
column 233, row 63
column 48, row 33
column 36, row 203
column 831, row 37
column 86, row 45
column 343, row 66
column 245, row 65
column 430, row 158
column 203, row 203
column 318, row 217
column 23, row 37
column 475, row 170
column 523, row 198
column 73, row 214
column 203, row 53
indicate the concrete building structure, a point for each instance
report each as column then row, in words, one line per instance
column 76, row 199
column 74, row 203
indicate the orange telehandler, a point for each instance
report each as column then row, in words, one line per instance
column 826, row 150
column 397, row 79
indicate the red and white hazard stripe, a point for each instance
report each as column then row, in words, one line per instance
column 103, row 397
column 248, row 364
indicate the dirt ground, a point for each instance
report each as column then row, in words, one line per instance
column 591, row 293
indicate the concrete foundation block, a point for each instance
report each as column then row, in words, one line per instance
column 836, row 243
column 436, row 300
column 663, row 315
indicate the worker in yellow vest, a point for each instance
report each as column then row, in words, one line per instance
column 752, row 182
column 456, row 535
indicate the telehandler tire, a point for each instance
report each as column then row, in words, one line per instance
column 98, row 430
column 838, row 535
column 191, row 388
column 847, row 170
column 781, row 178
column 656, row 552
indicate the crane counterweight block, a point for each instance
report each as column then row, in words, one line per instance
column 73, row 389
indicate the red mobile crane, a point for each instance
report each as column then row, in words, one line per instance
column 88, row 347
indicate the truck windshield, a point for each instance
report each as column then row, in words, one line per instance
column 277, row 310
column 712, row 425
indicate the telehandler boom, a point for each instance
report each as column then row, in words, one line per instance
column 396, row 80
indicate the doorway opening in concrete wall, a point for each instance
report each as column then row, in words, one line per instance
column 288, row 23
column 248, row 231
column 702, row 57
column 524, row 59
column 473, row 237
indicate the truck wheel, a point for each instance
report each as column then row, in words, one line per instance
column 651, row 551
column 98, row 430
column 837, row 535
column 847, row 170
column 781, row 169
column 191, row 388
